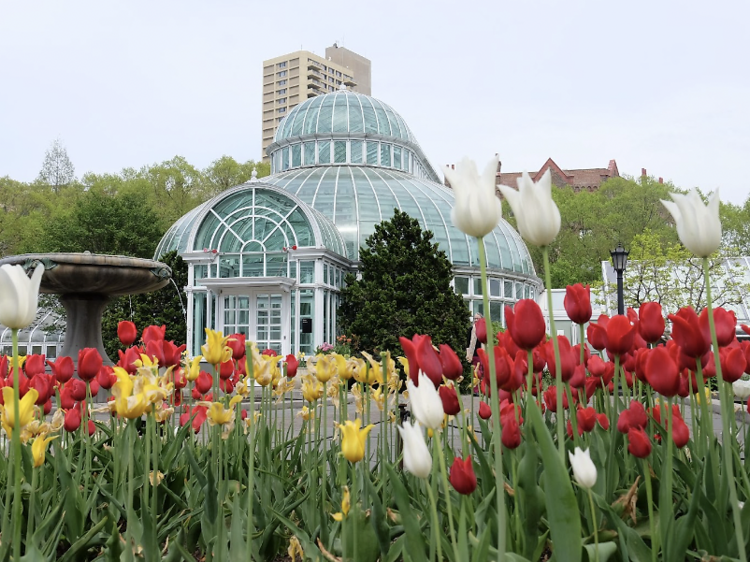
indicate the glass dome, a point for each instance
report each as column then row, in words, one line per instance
column 358, row 197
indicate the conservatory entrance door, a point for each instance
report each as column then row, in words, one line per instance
column 262, row 315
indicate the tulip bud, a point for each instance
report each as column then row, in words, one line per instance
column 639, row 445
column 127, row 332
column 584, row 471
column 698, row 225
column 577, row 303
column 89, row 363
column 462, row 476
column 19, row 295
column 477, row 210
column 417, row 458
column 537, row 215
column 62, row 369
column 451, row 405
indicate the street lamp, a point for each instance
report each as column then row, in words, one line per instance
column 619, row 262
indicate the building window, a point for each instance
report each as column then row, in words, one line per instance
column 281, row 65
column 462, row 285
column 281, row 83
column 281, row 110
column 330, row 79
column 281, row 74
column 309, row 153
column 338, row 74
column 281, row 92
column 281, row 101
column 356, row 148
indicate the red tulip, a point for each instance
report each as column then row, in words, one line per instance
column 66, row 397
column 179, row 379
column 410, row 350
column 680, row 432
column 127, row 332
column 511, row 433
column 662, row 372
column 526, row 324
column 129, row 357
column 462, row 476
column 43, row 387
column 550, row 398
column 577, row 303
column 172, row 354
column 586, row 418
column 155, row 350
column 578, row 379
column 429, row 361
column 47, row 407
column 5, row 365
column 484, row 410
column 639, row 445
column 62, row 369
column 686, row 331
column 200, row 413
column 567, row 358
column 72, row 419
column 452, row 367
column 603, row 420
column 237, row 344
column 634, row 416
column 34, row 365
column 725, row 323
column 451, row 405
column 596, row 366
column 204, row 382
column 89, row 363
column 651, row 322
column 291, row 366
column 733, row 363
column 596, row 333
column 154, row 333
column 620, row 334
column 481, row 329
column 226, row 369
column 94, row 386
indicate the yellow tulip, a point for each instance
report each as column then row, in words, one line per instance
column 353, row 439
column 340, row 364
column 379, row 397
column 128, row 404
column 218, row 415
column 312, row 389
column 25, row 408
column 346, row 504
column 325, row 368
column 216, row 350
column 405, row 364
column 163, row 414
column 193, row 368
column 295, row 550
column 373, row 374
column 354, row 366
column 38, row 449
column 263, row 372
column 306, row 413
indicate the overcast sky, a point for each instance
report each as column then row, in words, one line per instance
column 659, row 85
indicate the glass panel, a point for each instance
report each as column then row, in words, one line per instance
column 199, row 322
column 356, row 154
column 339, row 152
column 477, row 307
column 371, row 122
column 311, row 115
column 508, row 286
column 397, row 157
column 356, row 123
column 285, row 158
column 340, row 114
column 229, row 266
column 495, row 288
column 496, row 311
column 309, row 154
column 252, row 265
column 306, row 311
column 519, row 291
column 385, row 154
column 306, row 272
column 324, row 118
column 51, row 352
column 526, row 293
column 325, row 273
column 478, row 289
column 296, row 155
column 324, row 152
column 462, row 285
column 372, row 153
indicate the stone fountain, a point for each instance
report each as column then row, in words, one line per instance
column 85, row 283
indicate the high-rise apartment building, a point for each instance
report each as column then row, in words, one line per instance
column 290, row 79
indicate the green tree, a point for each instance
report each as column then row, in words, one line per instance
column 226, row 172
column 165, row 306
column 57, row 169
column 403, row 289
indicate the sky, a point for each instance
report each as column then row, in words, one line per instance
column 658, row 85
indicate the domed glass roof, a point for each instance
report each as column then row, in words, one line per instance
column 343, row 112
column 356, row 198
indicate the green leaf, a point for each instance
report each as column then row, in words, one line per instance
column 606, row 549
column 83, row 543
column 683, row 533
column 415, row 545
column 562, row 507
column 378, row 519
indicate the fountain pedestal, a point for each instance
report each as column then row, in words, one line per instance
column 85, row 283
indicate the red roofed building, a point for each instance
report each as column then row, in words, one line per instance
column 588, row 179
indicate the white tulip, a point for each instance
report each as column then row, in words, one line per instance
column 477, row 210
column 18, row 295
column 741, row 389
column 417, row 458
column 537, row 215
column 426, row 405
column 698, row 225
column 584, row 470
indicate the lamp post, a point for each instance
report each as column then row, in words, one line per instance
column 619, row 263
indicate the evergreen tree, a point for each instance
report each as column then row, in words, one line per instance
column 57, row 169
column 403, row 289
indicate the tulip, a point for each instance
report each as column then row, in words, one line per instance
column 39, row 447
column 481, row 330
column 584, row 471
column 687, row 333
column 725, row 323
column 62, row 369
column 215, row 350
column 237, row 344
column 346, row 504
column 651, row 322
column 586, row 419
column 477, row 210
column 462, row 476
column 451, row 405
column 325, row 368
column 127, row 332
column 620, row 334
column 226, row 369
column 426, row 405
column 634, row 416
column 19, row 295
column 417, row 458
column 511, row 432
column 698, row 225
column 741, row 389
column 733, row 363
column 429, row 361
column 43, row 386
column 72, row 420
column 89, row 363
column 567, row 358
column 526, row 324
column 537, row 215
column 204, row 382
column 154, row 333
column 312, row 389
column 596, row 332
column 172, row 353
column 639, row 445
column 218, row 415
column 452, row 367
column 25, row 408
column 484, row 410
column 106, row 377
column 662, row 372
column 353, row 439
column 34, row 365
column 577, row 303
column 292, row 364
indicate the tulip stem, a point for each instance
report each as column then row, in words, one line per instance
column 435, row 522
column 560, row 414
column 16, row 442
column 249, row 365
column 595, row 524
column 650, row 499
column 440, row 453
column 495, row 407
column 727, row 411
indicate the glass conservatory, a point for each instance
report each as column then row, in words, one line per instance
column 267, row 258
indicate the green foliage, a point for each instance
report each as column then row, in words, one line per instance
column 404, row 290
column 164, row 306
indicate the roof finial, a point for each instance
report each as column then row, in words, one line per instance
column 342, row 87
column 254, row 175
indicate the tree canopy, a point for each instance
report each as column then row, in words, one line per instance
column 403, row 289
